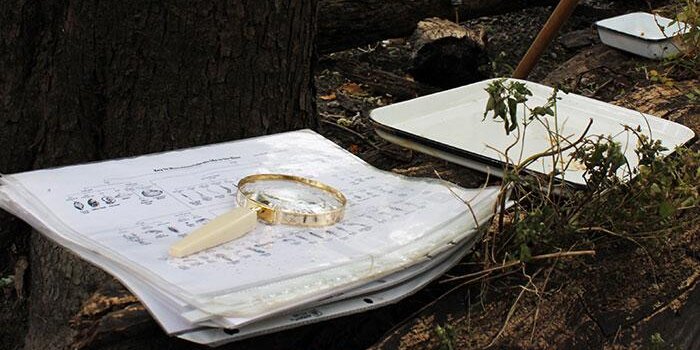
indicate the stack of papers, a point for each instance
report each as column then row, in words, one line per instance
column 123, row 215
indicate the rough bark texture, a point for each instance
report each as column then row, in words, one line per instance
column 89, row 80
column 348, row 23
column 449, row 55
column 430, row 30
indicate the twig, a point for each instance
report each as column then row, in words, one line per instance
column 512, row 311
column 601, row 87
column 331, row 115
column 518, row 262
column 471, row 210
column 614, row 341
column 684, row 223
column 539, row 301
column 551, row 152
column 486, row 184
column 363, row 138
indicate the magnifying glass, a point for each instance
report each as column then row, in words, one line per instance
column 274, row 199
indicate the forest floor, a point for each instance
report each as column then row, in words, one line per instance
column 629, row 294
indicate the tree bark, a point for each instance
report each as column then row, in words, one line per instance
column 349, row 23
column 87, row 80
column 447, row 55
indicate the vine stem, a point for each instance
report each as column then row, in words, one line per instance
column 554, row 151
column 518, row 262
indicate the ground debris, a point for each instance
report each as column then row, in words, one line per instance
column 111, row 313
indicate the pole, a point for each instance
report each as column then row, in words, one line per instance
column 550, row 29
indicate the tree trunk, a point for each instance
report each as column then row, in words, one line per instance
column 348, row 23
column 87, row 80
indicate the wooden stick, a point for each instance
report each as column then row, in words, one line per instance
column 550, row 29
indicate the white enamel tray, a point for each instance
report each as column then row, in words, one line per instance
column 643, row 34
column 450, row 125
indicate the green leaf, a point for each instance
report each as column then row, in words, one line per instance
column 666, row 209
column 525, row 254
column 513, row 122
column 512, row 108
column 489, row 105
column 6, row 281
column 688, row 201
column 500, row 110
column 654, row 188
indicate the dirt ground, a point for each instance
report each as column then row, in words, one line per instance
column 628, row 295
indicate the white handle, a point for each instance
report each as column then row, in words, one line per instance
column 224, row 228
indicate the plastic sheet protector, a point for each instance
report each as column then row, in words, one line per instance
column 127, row 213
column 166, row 309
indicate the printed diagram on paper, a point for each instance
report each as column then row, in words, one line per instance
column 136, row 208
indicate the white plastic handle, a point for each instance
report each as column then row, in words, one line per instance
column 224, row 228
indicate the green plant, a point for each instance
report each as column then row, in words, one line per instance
column 686, row 13
column 7, row 281
column 631, row 203
column 657, row 342
column 447, row 337
column 499, row 65
column 504, row 100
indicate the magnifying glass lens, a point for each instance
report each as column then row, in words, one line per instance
column 273, row 199
column 291, row 196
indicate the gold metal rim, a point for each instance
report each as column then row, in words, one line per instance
column 276, row 216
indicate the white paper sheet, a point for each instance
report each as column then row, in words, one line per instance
column 131, row 210
column 166, row 309
column 366, row 300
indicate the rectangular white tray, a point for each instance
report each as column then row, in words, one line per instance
column 643, row 34
column 450, row 125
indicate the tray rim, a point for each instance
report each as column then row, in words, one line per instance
column 603, row 24
column 485, row 160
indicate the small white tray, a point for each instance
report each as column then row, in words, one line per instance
column 643, row 34
column 450, row 125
